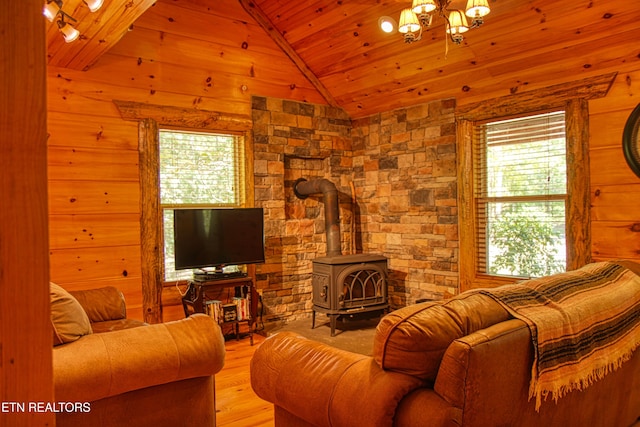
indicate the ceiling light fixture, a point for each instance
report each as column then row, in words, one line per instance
column 388, row 24
column 420, row 16
column 53, row 9
column 69, row 33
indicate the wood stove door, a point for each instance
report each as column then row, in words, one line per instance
column 361, row 285
column 321, row 288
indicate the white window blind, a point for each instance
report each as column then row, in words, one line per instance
column 520, row 195
column 197, row 170
column 200, row 169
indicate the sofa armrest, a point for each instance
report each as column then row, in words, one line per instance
column 103, row 365
column 102, row 304
column 489, row 368
column 325, row 386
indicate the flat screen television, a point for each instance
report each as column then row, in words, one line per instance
column 218, row 237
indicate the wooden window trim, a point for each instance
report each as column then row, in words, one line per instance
column 150, row 118
column 573, row 98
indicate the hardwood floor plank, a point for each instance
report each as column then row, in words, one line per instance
column 236, row 403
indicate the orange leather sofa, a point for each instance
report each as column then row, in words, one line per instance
column 460, row 362
column 122, row 372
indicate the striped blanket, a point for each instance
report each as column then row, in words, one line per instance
column 584, row 324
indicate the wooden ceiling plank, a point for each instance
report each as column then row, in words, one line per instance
column 236, row 34
column 265, row 23
column 110, row 33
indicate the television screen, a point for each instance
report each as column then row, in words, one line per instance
column 218, row 237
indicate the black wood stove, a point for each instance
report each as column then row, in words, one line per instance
column 343, row 285
column 347, row 285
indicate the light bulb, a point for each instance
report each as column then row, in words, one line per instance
column 94, row 5
column 50, row 11
column 387, row 24
column 69, row 33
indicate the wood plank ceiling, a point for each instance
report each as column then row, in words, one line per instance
column 524, row 44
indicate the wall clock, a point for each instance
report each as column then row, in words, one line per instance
column 631, row 140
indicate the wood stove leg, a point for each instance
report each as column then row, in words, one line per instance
column 313, row 319
column 333, row 318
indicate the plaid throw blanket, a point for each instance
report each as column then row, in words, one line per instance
column 584, row 324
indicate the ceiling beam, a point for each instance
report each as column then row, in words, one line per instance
column 262, row 20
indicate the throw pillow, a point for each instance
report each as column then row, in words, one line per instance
column 68, row 318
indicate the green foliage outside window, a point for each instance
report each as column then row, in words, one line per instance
column 524, row 196
column 527, row 246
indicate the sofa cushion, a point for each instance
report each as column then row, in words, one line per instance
column 413, row 339
column 116, row 325
column 102, row 304
column 69, row 320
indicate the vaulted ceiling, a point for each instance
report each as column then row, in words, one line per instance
column 524, row 44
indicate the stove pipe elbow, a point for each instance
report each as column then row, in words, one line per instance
column 303, row 188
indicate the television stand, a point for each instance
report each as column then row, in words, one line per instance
column 213, row 276
column 196, row 299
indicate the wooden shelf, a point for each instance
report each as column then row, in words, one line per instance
column 195, row 299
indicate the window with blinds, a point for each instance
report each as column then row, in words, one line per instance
column 520, row 195
column 197, row 170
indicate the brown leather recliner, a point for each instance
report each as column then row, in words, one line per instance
column 123, row 372
column 460, row 362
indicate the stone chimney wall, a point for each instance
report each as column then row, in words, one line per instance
column 399, row 168
column 297, row 140
column 405, row 175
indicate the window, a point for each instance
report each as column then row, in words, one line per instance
column 520, row 195
column 570, row 98
column 197, row 170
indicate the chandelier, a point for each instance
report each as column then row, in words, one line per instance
column 420, row 16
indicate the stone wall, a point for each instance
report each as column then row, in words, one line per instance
column 405, row 176
column 295, row 140
column 396, row 177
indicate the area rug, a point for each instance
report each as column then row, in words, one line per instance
column 351, row 335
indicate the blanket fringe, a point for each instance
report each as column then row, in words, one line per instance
column 556, row 391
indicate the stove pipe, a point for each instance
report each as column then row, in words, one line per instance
column 303, row 188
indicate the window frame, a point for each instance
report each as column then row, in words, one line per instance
column 481, row 187
column 578, row 238
column 149, row 117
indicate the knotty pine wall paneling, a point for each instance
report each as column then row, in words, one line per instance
column 186, row 54
column 615, row 189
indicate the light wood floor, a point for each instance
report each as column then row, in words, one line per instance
column 236, row 403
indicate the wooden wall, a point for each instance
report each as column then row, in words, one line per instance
column 615, row 190
column 25, row 325
column 186, row 54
